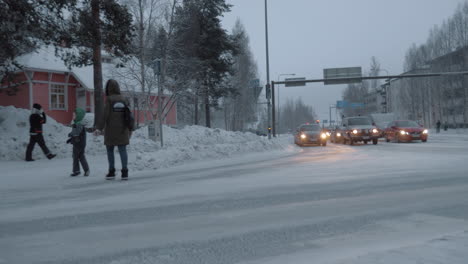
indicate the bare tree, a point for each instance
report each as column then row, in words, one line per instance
column 295, row 113
column 240, row 107
column 374, row 71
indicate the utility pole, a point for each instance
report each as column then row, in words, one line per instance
column 268, row 91
column 158, row 70
column 273, row 109
column 160, row 112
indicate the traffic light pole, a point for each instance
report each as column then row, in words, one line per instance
column 354, row 79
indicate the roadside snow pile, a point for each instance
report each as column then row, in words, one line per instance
column 180, row 145
column 14, row 135
column 201, row 143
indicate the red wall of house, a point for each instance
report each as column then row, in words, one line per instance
column 41, row 76
column 41, row 96
column 89, row 97
column 171, row 118
column 143, row 116
column 20, row 98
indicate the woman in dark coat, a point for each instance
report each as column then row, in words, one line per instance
column 116, row 131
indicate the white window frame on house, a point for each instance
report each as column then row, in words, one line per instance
column 54, row 91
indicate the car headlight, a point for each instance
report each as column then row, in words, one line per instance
column 338, row 134
column 425, row 131
column 355, row 131
column 303, row 136
column 403, row 132
column 375, row 131
column 328, row 134
column 323, row 135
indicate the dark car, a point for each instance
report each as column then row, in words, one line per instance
column 358, row 129
column 405, row 131
column 310, row 134
column 335, row 135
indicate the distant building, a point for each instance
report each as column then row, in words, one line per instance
column 373, row 101
column 453, row 90
column 429, row 99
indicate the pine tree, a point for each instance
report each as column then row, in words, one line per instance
column 199, row 32
column 94, row 25
column 240, row 108
column 25, row 25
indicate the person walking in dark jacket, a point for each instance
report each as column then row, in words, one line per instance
column 36, row 120
column 116, row 131
column 77, row 138
column 438, row 124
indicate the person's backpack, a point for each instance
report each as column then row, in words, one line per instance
column 129, row 119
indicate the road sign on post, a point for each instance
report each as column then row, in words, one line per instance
column 341, row 104
column 254, row 83
column 257, row 91
column 357, row 105
column 346, row 104
column 291, row 82
column 342, row 73
column 256, row 88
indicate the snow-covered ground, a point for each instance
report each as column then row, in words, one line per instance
column 191, row 143
column 389, row 203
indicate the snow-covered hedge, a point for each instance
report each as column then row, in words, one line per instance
column 189, row 143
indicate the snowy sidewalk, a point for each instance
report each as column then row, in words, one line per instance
column 191, row 143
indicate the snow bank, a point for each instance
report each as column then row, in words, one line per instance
column 201, row 143
column 189, row 143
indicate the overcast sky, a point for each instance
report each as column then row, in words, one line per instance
column 306, row 36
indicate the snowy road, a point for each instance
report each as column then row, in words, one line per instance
column 338, row 204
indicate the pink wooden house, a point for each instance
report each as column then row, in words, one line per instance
column 45, row 79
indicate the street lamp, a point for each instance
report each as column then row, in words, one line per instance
column 282, row 74
column 267, row 70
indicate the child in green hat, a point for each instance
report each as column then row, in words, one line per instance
column 77, row 138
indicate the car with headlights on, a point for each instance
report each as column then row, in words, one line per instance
column 335, row 135
column 311, row 134
column 358, row 129
column 327, row 132
column 405, row 131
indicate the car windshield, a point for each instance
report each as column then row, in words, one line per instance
column 382, row 124
column 359, row 121
column 310, row 128
column 406, row 124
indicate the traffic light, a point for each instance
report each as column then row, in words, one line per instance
column 383, row 93
column 268, row 92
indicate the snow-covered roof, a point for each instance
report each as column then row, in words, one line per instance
column 46, row 59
